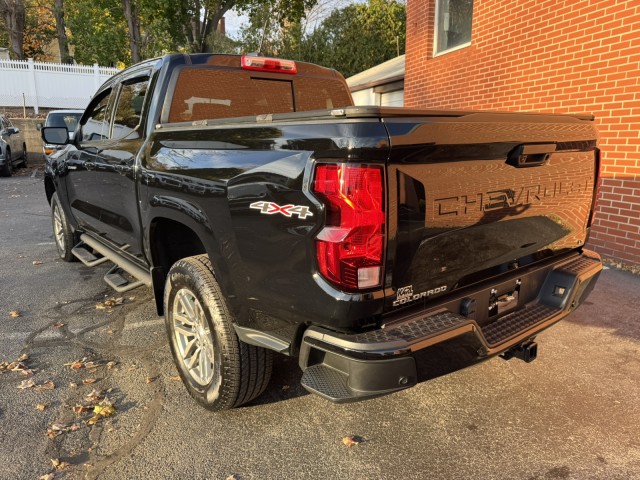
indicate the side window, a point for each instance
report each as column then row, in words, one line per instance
column 126, row 124
column 96, row 125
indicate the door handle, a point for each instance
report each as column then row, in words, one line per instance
column 530, row 154
column 89, row 165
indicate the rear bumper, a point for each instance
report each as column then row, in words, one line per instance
column 344, row 368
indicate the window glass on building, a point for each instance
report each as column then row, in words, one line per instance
column 453, row 24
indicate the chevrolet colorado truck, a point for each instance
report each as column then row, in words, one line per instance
column 267, row 213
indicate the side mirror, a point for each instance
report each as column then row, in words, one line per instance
column 39, row 126
column 55, row 135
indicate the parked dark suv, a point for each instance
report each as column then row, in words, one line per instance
column 13, row 149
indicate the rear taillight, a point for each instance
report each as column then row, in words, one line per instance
column 264, row 64
column 350, row 248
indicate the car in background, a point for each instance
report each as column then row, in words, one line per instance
column 60, row 118
column 13, row 149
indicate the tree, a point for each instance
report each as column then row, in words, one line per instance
column 61, row 33
column 98, row 31
column 131, row 14
column 357, row 37
column 39, row 30
column 14, row 15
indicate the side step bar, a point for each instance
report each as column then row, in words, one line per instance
column 86, row 257
column 113, row 277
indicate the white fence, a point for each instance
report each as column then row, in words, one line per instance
column 49, row 85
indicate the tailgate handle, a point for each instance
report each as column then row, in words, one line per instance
column 530, row 154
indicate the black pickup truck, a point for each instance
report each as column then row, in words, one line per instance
column 267, row 213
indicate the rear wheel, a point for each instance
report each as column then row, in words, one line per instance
column 7, row 170
column 218, row 369
column 62, row 232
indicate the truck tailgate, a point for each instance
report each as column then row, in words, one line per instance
column 475, row 195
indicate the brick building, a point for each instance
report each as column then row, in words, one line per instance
column 563, row 56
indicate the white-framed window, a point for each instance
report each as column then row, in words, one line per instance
column 453, row 25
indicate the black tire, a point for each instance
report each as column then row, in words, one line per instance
column 62, row 231
column 7, row 170
column 24, row 155
column 225, row 372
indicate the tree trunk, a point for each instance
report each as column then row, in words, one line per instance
column 61, row 33
column 131, row 14
column 14, row 19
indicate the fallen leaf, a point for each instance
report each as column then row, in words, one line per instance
column 110, row 365
column 77, row 365
column 14, row 314
column 58, row 464
column 27, row 384
column 19, row 367
column 285, row 388
column 93, row 420
column 91, row 365
column 175, row 378
column 59, row 325
column 23, row 358
column 100, row 306
column 36, row 262
column 232, row 477
column 59, row 426
column 89, row 381
column 132, row 299
column 48, row 385
column 94, row 395
column 73, row 385
column 80, row 409
column 351, row 440
column 104, row 410
column 151, row 379
column 42, row 406
column 48, row 476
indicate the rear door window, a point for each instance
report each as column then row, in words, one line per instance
column 128, row 115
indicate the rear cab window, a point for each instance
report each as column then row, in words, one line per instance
column 221, row 89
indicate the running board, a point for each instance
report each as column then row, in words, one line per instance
column 143, row 276
column 115, row 279
column 86, row 257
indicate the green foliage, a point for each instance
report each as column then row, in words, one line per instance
column 4, row 35
column 218, row 43
column 351, row 39
column 98, row 31
column 357, row 37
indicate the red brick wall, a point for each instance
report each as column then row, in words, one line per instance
column 570, row 56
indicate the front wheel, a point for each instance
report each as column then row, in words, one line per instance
column 62, row 231
column 217, row 368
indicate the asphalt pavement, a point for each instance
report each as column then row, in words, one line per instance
column 574, row 413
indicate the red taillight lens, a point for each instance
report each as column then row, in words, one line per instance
column 350, row 248
column 263, row 64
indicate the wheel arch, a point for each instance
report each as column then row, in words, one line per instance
column 172, row 239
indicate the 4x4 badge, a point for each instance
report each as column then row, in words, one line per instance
column 270, row 208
